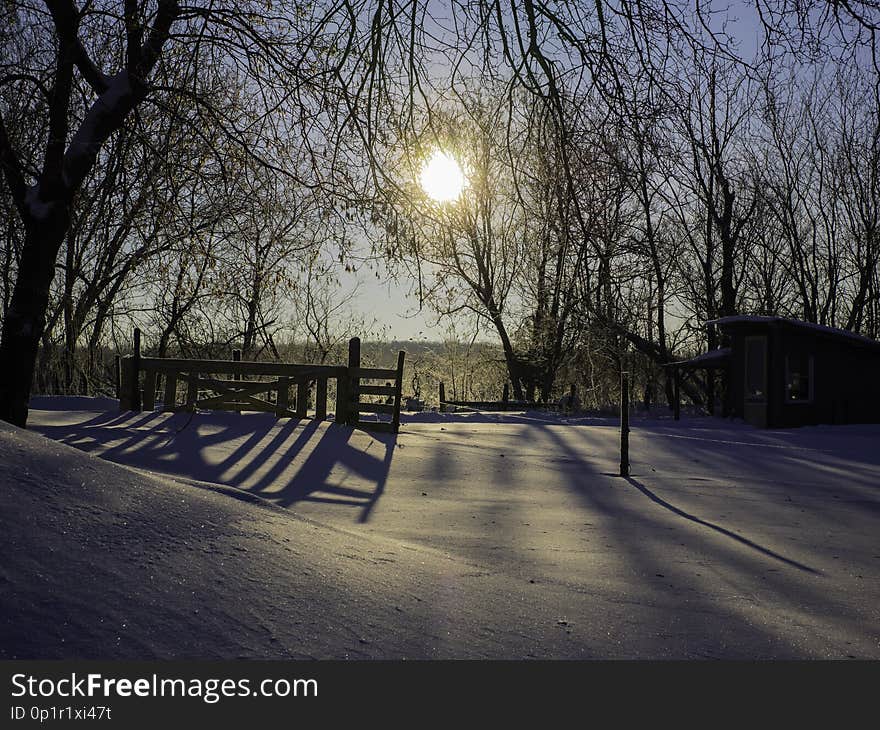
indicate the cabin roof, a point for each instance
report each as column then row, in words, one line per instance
column 820, row 329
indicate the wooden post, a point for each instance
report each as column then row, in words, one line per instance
column 624, row 424
column 442, row 396
column 321, row 399
column 136, row 372
column 281, row 402
column 676, row 393
column 354, row 383
column 125, row 384
column 302, row 398
column 342, row 399
column 398, row 391
column 192, row 390
column 118, row 377
column 149, row 400
column 505, row 394
column 236, row 357
column 169, row 399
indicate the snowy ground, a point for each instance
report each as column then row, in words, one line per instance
column 464, row 536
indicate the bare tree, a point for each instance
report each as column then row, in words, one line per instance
column 82, row 105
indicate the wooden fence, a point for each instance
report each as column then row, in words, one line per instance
column 189, row 385
column 505, row 404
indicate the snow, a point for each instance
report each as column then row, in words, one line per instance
column 712, row 358
column 87, row 139
column 465, row 536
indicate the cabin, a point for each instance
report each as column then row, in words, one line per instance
column 784, row 372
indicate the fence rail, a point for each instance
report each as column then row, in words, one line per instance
column 566, row 403
column 205, row 388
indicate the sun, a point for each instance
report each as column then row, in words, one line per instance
column 442, row 177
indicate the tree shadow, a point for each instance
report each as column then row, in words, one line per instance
column 682, row 557
column 721, row 530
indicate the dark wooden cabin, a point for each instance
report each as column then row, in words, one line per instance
column 784, row 372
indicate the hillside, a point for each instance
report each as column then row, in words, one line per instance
column 227, row 536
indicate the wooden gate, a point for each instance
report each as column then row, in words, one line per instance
column 189, row 385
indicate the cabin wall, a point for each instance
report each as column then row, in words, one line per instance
column 845, row 379
column 736, row 375
column 756, row 413
column 845, row 383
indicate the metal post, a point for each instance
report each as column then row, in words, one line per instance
column 676, row 394
column 136, row 372
column 624, row 424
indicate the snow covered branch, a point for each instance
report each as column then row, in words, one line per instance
column 123, row 92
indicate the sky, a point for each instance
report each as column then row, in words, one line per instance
column 391, row 303
column 392, row 307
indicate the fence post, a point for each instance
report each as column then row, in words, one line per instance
column 321, row 399
column 149, row 398
column 302, row 398
column 118, row 377
column 505, row 394
column 281, row 402
column 624, row 424
column 192, row 391
column 354, row 383
column 342, row 399
column 169, row 398
column 136, row 372
column 125, row 386
column 236, row 357
column 442, row 396
column 398, row 391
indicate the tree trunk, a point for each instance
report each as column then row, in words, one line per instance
column 513, row 369
column 26, row 317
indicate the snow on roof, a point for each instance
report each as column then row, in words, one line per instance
column 713, row 358
column 824, row 329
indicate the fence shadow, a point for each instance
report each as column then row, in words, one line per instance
column 283, row 460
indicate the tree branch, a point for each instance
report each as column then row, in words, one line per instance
column 134, row 34
column 167, row 13
column 66, row 18
column 12, row 171
column 124, row 92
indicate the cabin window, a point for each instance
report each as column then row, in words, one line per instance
column 798, row 378
column 756, row 368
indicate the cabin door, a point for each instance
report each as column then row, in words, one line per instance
column 755, row 390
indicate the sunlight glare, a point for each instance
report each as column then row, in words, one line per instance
column 442, row 177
